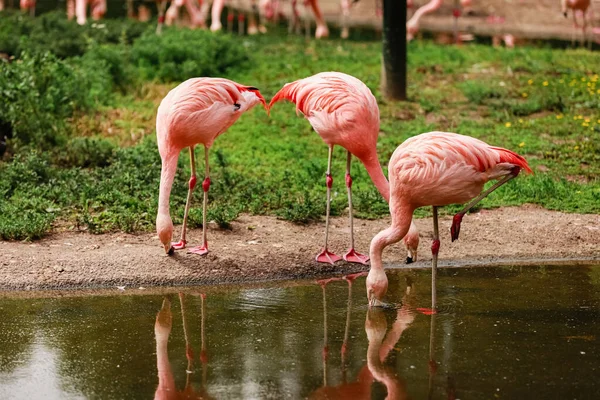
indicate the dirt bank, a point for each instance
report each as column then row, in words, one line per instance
column 264, row 248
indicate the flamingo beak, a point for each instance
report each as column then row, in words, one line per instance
column 169, row 250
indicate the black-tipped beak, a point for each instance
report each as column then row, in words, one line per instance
column 409, row 260
column 171, row 251
column 565, row 14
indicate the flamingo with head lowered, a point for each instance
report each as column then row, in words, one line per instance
column 436, row 169
column 344, row 112
column 195, row 112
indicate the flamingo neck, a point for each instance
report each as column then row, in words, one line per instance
column 401, row 220
column 167, row 175
column 375, row 171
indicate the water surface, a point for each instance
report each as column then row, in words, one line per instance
column 512, row 332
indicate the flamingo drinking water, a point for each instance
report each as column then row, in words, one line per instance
column 195, row 112
column 436, row 169
column 344, row 112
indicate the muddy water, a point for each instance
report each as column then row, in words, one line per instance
column 501, row 333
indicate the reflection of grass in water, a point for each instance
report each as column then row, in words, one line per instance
column 541, row 103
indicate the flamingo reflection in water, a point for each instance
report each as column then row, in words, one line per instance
column 380, row 345
column 166, row 389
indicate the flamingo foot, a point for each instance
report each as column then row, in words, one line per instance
column 322, row 32
column 427, row 311
column 200, row 250
column 354, row 257
column 325, row 256
column 455, row 229
column 179, row 245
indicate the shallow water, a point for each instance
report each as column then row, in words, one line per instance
column 513, row 332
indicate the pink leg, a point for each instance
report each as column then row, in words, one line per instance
column 202, row 250
column 456, row 221
column 325, row 255
column 352, row 255
column 191, row 184
column 161, row 6
column 217, row 8
column 322, row 30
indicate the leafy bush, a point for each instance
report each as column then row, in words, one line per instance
column 181, row 54
column 85, row 153
column 39, row 92
column 113, row 59
column 54, row 32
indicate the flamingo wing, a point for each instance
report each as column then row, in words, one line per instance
column 333, row 103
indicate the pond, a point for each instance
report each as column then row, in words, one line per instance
column 506, row 332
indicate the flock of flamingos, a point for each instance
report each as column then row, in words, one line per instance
column 430, row 169
column 272, row 10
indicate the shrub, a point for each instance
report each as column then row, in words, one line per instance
column 40, row 92
column 54, row 32
column 85, row 153
column 180, row 54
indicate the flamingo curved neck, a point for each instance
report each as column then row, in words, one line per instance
column 375, row 171
column 167, row 175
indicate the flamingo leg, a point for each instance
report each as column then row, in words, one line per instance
column 455, row 229
column 325, row 256
column 162, row 5
column 203, row 249
column 191, row 184
column 352, row 255
column 435, row 248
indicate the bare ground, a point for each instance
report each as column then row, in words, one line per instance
column 260, row 249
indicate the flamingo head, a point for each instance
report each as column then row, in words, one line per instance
column 411, row 241
column 164, row 228
column 253, row 97
column 377, row 284
column 411, row 30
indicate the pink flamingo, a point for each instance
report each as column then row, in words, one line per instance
column 98, row 9
column 436, row 169
column 195, row 11
column 195, row 112
column 576, row 5
column 412, row 25
column 26, row 5
column 344, row 112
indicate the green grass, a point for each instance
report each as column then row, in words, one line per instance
column 542, row 103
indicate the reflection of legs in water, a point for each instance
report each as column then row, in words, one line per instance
column 203, row 354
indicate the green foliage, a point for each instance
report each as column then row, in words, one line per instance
column 40, row 92
column 539, row 102
column 177, row 55
column 54, row 32
column 477, row 92
column 85, row 153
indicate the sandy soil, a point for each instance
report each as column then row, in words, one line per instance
column 264, row 248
